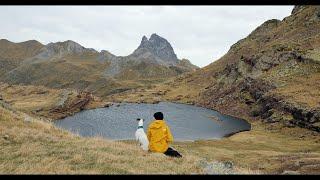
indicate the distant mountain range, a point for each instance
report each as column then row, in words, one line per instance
column 69, row 65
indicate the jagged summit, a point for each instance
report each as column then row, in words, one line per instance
column 158, row 47
column 153, row 52
column 144, row 39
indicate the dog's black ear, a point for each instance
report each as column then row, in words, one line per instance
column 138, row 119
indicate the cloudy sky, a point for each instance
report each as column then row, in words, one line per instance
column 201, row 34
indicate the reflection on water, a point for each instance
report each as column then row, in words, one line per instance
column 186, row 122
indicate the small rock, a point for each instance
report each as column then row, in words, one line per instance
column 41, row 92
column 6, row 137
column 289, row 124
column 271, row 120
column 108, row 104
column 290, row 172
column 38, row 110
column 228, row 164
column 27, row 119
column 216, row 167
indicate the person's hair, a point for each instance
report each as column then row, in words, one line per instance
column 158, row 116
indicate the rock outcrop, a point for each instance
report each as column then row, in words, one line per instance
column 73, row 106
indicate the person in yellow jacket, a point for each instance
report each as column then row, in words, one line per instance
column 159, row 136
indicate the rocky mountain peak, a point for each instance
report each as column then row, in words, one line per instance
column 69, row 46
column 144, row 39
column 158, row 47
column 154, row 36
column 60, row 49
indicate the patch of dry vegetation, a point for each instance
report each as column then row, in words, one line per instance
column 40, row 100
column 263, row 150
column 35, row 147
column 30, row 98
column 300, row 84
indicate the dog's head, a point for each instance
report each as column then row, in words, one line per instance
column 140, row 121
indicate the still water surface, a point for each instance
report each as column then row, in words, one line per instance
column 186, row 122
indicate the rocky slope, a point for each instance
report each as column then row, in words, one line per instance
column 69, row 65
column 272, row 74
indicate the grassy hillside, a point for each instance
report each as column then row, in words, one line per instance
column 11, row 54
column 38, row 147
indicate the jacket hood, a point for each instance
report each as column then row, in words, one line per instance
column 156, row 124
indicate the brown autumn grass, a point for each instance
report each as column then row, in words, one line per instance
column 304, row 90
column 40, row 148
column 28, row 98
column 37, row 147
column 298, row 84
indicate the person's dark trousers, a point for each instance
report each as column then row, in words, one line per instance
column 173, row 153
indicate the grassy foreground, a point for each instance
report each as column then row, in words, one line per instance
column 35, row 146
column 32, row 146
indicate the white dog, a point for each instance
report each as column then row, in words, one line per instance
column 141, row 136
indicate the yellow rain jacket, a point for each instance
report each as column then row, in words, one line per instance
column 159, row 136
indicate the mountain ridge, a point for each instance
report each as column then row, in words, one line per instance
column 93, row 70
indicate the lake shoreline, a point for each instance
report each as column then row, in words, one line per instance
column 203, row 117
